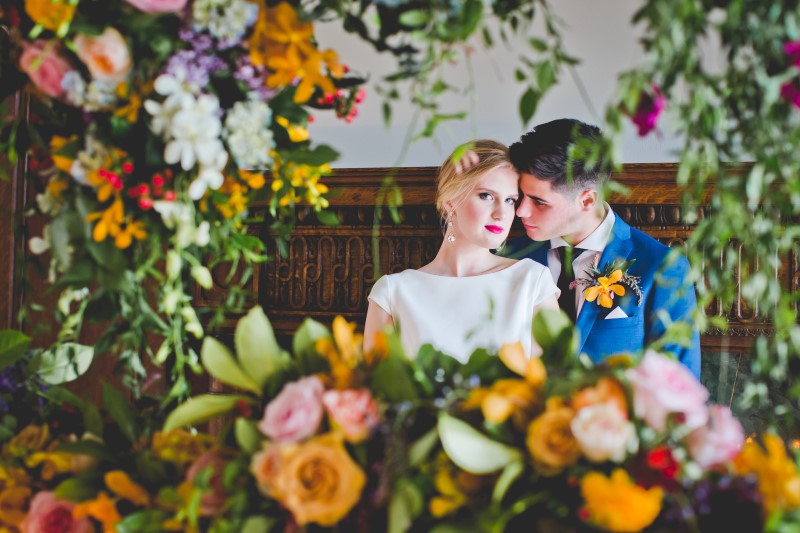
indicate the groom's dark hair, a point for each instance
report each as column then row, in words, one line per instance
column 545, row 152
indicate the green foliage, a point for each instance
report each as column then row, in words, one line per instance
column 13, row 346
column 471, row 450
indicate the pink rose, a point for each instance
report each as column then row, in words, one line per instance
column 649, row 108
column 661, row 386
column 353, row 411
column 44, row 66
column 719, row 440
column 158, row 6
column 105, row 55
column 47, row 514
column 296, row 413
column 213, row 499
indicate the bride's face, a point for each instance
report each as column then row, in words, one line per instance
column 485, row 216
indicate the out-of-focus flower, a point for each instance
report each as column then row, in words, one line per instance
column 202, row 276
column 778, row 478
column 180, row 447
column 343, row 353
column 14, row 502
column 353, row 412
column 32, row 438
column 49, row 514
column 606, row 390
column 296, row 413
column 226, row 20
column 503, row 399
column 247, row 134
column 158, row 6
column 42, row 63
column 454, row 487
column 604, row 433
column 318, row 481
column 106, row 55
column 102, row 508
column 663, row 386
column 550, row 440
column 528, row 366
column 790, row 91
column 719, row 440
column 296, row 133
column 51, row 14
column 213, row 499
column 650, row 106
column 615, row 503
column 265, row 466
column 791, row 50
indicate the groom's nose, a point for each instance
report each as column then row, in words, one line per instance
column 524, row 208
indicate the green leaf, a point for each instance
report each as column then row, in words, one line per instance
column 13, row 345
column 219, row 362
column 256, row 347
column 149, row 521
column 248, row 436
column 318, row 156
column 303, row 346
column 406, row 504
column 258, row 524
column 87, row 447
column 555, row 333
column 421, row 448
column 328, row 218
column 392, row 379
column 528, row 104
column 414, row 18
column 64, row 363
column 511, row 473
column 471, row 450
column 119, row 409
column 77, row 489
column 201, row 409
column 92, row 421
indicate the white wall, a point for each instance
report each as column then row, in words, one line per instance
column 598, row 32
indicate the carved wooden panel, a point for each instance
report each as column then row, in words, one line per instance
column 330, row 270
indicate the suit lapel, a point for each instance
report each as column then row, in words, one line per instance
column 619, row 247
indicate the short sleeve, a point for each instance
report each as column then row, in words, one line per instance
column 381, row 293
column 543, row 285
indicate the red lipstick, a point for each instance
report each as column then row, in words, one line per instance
column 494, row 229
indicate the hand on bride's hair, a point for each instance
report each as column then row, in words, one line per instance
column 467, row 161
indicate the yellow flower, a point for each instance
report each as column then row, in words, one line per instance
column 778, row 478
column 51, row 14
column 57, row 144
column 344, row 353
column 130, row 111
column 13, row 502
column 296, row 133
column 52, row 463
column 283, row 27
column 606, row 286
column 123, row 486
column 180, row 447
column 318, row 481
column 32, row 438
column 254, row 180
column 617, row 504
column 530, row 368
column 505, row 398
column 550, row 440
column 454, row 487
column 102, row 508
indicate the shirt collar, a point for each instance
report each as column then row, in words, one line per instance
column 597, row 240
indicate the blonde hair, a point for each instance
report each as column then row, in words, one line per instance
column 453, row 186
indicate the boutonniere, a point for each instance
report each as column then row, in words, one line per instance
column 605, row 284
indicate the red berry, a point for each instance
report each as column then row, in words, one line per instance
column 145, row 202
column 158, row 180
column 169, row 196
column 127, row 167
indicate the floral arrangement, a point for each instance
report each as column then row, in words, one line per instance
column 331, row 437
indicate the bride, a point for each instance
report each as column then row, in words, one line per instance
column 467, row 297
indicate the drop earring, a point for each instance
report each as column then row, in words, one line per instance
column 451, row 237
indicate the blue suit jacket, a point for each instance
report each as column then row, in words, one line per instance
column 662, row 290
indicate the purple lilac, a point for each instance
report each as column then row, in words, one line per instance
column 254, row 77
column 199, row 61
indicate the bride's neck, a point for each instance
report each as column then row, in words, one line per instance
column 460, row 261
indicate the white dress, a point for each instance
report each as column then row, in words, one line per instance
column 459, row 314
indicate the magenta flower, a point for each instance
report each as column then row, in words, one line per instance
column 792, row 52
column 647, row 112
column 790, row 92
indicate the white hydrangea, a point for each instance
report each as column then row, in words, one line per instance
column 97, row 95
column 227, row 20
column 247, row 134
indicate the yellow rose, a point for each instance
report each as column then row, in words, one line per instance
column 50, row 13
column 550, row 440
column 616, row 504
column 318, row 481
column 505, row 398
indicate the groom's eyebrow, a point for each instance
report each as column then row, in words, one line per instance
column 537, row 199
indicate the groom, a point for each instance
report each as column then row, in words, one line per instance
column 576, row 231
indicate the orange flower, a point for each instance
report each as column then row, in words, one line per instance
column 530, row 368
column 123, row 486
column 51, row 14
column 550, row 440
column 13, row 502
column 505, row 398
column 615, row 503
column 318, row 481
column 102, row 508
column 343, row 354
column 606, row 390
column 778, row 478
column 607, row 285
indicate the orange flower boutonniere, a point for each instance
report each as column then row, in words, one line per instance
column 604, row 285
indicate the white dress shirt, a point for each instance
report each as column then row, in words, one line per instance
column 594, row 244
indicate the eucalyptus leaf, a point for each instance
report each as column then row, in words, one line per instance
column 256, row 347
column 220, row 363
column 201, row 409
column 64, row 363
column 471, row 450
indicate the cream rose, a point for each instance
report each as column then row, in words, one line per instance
column 158, row 6
column 603, row 433
column 105, row 55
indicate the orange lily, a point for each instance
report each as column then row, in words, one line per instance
column 606, row 286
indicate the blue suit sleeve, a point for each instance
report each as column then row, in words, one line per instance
column 673, row 294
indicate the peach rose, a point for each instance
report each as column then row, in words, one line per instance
column 44, row 66
column 105, row 55
column 265, row 466
column 606, row 390
column 48, row 514
column 353, row 411
column 663, row 386
column 295, row 413
column 213, row 499
column 158, row 6
column 604, row 433
column 719, row 440
column 318, row 481
column 550, row 440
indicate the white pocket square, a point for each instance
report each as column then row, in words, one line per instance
column 616, row 313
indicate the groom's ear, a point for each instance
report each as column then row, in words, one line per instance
column 588, row 199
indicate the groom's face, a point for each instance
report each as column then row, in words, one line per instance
column 544, row 212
